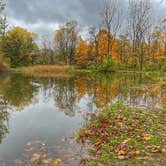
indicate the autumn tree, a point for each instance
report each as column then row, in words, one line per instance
column 103, row 45
column 158, row 45
column 99, row 44
column 81, row 52
column 65, row 41
column 163, row 37
column 19, row 46
column 155, row 44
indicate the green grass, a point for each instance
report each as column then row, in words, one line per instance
column 121, row 135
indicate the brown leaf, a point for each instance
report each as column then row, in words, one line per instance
column 35, row 157
column 47, row 161
column 29, row 150
column 134, row 154
column 121, row 153
column 122, row 146
column 146, row 158
column 97, row 143
column 121, row 157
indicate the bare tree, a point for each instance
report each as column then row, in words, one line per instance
column 111, row 19
column 65, row 41
column 94, row 39
column 139, row 25
column 3, row 20
column 47, row 51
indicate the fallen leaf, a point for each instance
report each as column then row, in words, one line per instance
column 29, row 150
column 163, row 150
column 134, row 154
column 121, row 153
column 121, row 118
column 47, row 161
column 44, row 155
column 121, row 157
column 97, row 143
column 147, row 138
column 126, row 141
column 146, row 158
column 35, row 157
column 57, row 161
column 137, row 152
column 122, row 146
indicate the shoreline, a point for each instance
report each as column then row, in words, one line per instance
column 59, row 71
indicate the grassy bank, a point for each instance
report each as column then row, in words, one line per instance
column 124, row 136
column 4, row 69
column 45, row 70
column 115, row 66
column 65, row 71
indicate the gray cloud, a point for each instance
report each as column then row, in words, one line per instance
column 85, row 11
column 43, row 15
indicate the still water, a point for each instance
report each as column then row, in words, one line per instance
column 42, row 115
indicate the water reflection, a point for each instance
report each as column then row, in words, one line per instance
column 51, row 107
column 4, row 117
column 18, row 91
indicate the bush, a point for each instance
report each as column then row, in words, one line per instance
column 4, row 63
column 155, row 67
column 110, row 66
column 163, row 69
column 152, row 67
column 92, row 67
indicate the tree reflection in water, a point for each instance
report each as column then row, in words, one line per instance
column 4, row 118
column 17, row 92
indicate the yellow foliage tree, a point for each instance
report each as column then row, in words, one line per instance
column 81, row 52
column 19, row 45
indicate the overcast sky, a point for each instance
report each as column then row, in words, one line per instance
column 44, row 16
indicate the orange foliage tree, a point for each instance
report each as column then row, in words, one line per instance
column 81, row 52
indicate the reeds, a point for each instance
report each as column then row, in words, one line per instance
column 46, row 71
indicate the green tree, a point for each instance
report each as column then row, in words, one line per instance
column 19, row 45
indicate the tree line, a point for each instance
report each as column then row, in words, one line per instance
column 140, row 45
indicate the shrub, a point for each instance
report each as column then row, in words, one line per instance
column 152, row 67
column 110, row 66
column 163, row 69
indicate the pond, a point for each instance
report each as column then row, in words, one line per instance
column 39, row 117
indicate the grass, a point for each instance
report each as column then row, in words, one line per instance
column 52, row 70
column 45, row 71
column 65, row 71
column 5, row 69
column 123, row 136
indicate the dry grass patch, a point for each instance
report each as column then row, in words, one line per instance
column 46, row 71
